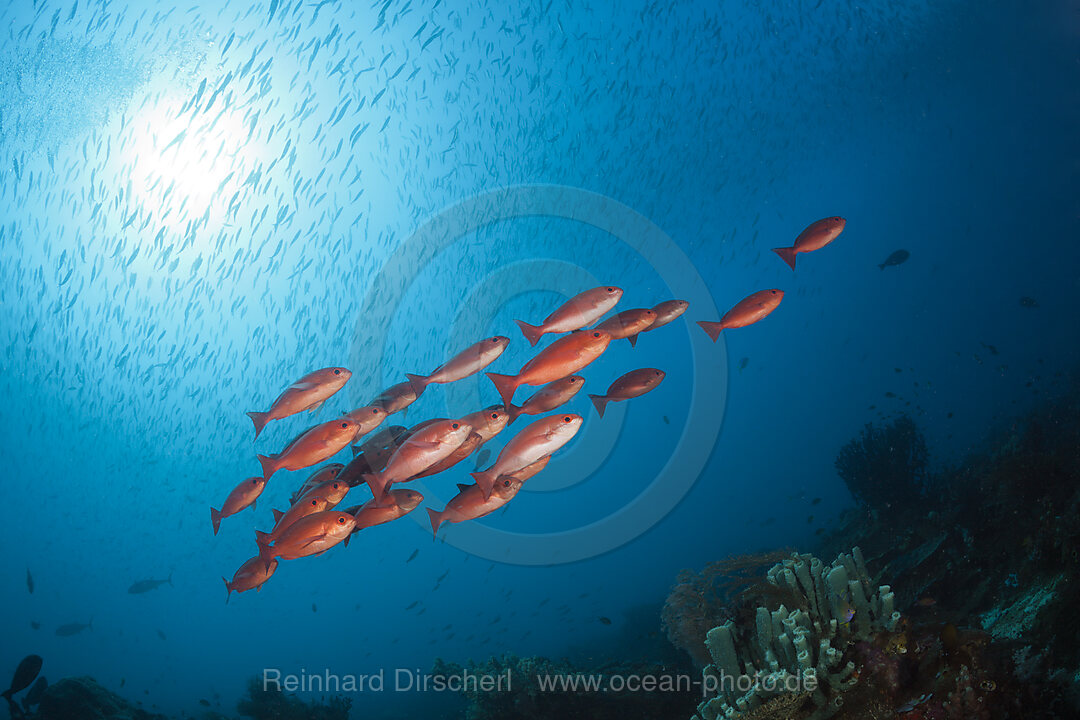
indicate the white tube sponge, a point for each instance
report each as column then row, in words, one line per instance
column 720, row 643
column 862, row 622
column 887, row 602
column 763, row 622
column 837, row 582
column 860, row 564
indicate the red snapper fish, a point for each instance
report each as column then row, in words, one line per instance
column 628, row 324
column 747, row 312
column 311, row 447
column 563, row 357
column 425, row 447
column 471, row 502
column 396, row 397
column 815, row 237
column 542, row 437
column 326, row 472
column 487, row 423
column 320, row 498
column 367, row 419
column 249, row 576
column 398, row 504
column 307, row 393
column 577, row 312
column 242, row 496
column 468, row 362
column 667, row 312
column 549, row 397
column 311, row 535
column 631, row 385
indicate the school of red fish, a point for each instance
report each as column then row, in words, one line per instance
column 392, row 456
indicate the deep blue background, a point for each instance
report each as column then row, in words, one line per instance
column 166, row 266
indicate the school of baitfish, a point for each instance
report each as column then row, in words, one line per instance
column 391, row 457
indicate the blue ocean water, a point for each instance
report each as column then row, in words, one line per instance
column 201, row 203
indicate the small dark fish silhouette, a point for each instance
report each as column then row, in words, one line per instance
column 604, row 620
column 314, row 608
column 29, row 581
column 161, row 635
column 35, row 624
column 73, row 628
column 145, row 586
column 28, row 669
column 743, row 363
column 122, row 681
column 414, row 554
column 815, row 501
column 897, row 258
column 204, row 702
column 1029, row 302
column 37, row 691
column 666, row 420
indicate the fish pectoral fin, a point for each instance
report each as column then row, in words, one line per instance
column 301, row 386
column 316, row 406
column 424, row 445
column 315, row 539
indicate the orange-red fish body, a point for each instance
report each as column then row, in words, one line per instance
column 396, row 398
column 563, row 357
column 815, row 237
column 487, row 423
column 747, row 312
column 310, row 535
column 631, row 385
column 463, row 451
column 250, row 576
column 468, row 362
column 307, row 393
column 577, row 312
column 628, row 324
column 425, row 447
column 242, row 496
column 312, row 447
column 367, row 419
column 667, row 312
column 536, row 440
column 326, row 472
column 470, row 503
column 320, row 498
column 398, row 504
column 549, row 397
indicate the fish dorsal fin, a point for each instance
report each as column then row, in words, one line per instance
column 277, row 514
column 462, row 487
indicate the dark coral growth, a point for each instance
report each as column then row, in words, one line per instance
column 526, row 699
column 700, row 601
column 885, row 468
column 83, row 698
column 264, row 703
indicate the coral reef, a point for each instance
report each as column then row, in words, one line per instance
column 885, row 468
column 800, row 650
column 83, row 698
column 264, row 703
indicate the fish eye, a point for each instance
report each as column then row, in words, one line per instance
column 657, row 372
column 566, row 419
column 506, row 483
column 254, row 481
column 773, row 292
column 341, row 519
column 573, row 380
column 596, row 334
column 494, row 339
column 314, row 503
column 375, row 411
column 336, row 486
column 344, row 424
column 611, row 289
column 454, row 426
column 336, row 371
column 494, row 416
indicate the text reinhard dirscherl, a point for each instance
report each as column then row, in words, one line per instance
column 469, row 681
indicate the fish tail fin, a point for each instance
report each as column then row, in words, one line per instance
column 505, row 385
column 215, row 518
column 485, row 480
column 262, row 539
column 377, row 486
column 6, row 694
column 711, row 328
column 260, row 419
column 632, row 339
column 513, row 412
column 266, row 553
column 418, row 383
column 228, row 590
column 600, row 402
column 787, row 254
column 532, row 333
column 269, row 465
column 436, row 517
